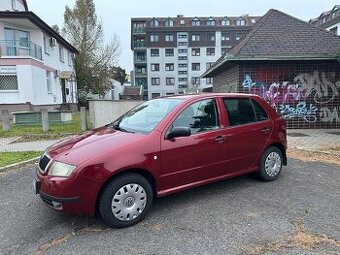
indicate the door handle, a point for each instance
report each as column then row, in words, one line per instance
column 265, row 130
column 220, row 139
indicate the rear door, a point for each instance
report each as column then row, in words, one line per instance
column 249, row 129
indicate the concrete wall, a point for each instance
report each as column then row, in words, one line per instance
column 103, row 112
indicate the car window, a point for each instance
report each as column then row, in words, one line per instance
column 240, row 111
column 259, row 111
column 199, row 117
column 145, row 117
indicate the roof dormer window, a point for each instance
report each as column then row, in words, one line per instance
column 240, row 22
column 211, row 22
column 196, row 22
column 225, row 21
column 169, row 22
column 154, row 22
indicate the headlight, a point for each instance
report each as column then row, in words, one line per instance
column 60, row 169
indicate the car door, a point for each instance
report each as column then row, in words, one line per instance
column 248, row 133
column 198, row 157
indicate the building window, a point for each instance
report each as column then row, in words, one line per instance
column 209, row 64
column 225, row 22
column 225, row 37
column 155, row 67
column 211, row 37
column 182, row 22
column 154, row 38
column 224, row 50
column 170, row 81
column 182, row 65
column 170, row 94
column 195, row 51
column 49, row 81
column 8, row 82
column 154, row 22
column 195, row 66
column 183, row 79
column 169, row 38
column 239, row 36
column 69, row 55
column 154, row 52
column 169, row 67
column 182, row 72
column 14, row 4
column 182, row 50
column 46, row 44
column 169, row 52
column 211, row 22
column 169, row 23
column 253, row 21
column 334, row 30
column 155, row 95
column 182, row 58
column 61, row 54
column 195, row 37
column 209, row 81
column 182, row 36
column 195, row 22
column 195, row 81
column 155, row 81
column 240, row 22
column 210, row 51
column 182, row 43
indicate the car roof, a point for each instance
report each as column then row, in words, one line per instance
column 205, row 95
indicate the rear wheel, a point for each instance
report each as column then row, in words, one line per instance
column 271, row 164
column 126, row 200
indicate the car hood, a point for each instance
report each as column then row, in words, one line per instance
column 78, row 149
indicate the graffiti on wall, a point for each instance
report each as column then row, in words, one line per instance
column 289, row 98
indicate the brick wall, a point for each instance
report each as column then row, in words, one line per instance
column 306, row 93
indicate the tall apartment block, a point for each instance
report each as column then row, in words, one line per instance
column 170, row 54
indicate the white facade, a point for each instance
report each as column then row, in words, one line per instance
column 12, row 5
column 35, row 65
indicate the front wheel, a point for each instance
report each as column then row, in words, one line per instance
column 126, row 200
column 271, row 164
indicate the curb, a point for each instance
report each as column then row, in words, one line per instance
column 316, row 151
column 16, row 165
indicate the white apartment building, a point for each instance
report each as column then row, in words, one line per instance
column 329, row 20
column 36, row 63
column 170, row 54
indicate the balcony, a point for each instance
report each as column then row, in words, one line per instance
column 139, row 30
column 139, row 44
column 20, row 48
column 140, row 59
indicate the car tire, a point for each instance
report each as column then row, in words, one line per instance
column 125, row 200
column 270, row 164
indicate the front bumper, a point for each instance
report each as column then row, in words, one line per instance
column 56, row 203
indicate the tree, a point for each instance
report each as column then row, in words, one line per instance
column 119, row 74
column 56, row 28
column 95, row 59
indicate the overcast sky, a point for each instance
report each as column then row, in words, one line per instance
column 116, row 15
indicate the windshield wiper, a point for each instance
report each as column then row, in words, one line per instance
column 117, row 127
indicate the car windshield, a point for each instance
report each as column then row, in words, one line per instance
column 145, row 117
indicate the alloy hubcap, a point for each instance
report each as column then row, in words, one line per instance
column 129, row 202
column 273, row 164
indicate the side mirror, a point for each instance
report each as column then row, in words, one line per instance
column 178, row 132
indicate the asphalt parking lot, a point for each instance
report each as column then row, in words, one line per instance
column 297, row 214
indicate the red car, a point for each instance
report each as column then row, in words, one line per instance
column 161, row 147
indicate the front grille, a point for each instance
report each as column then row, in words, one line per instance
column 43, row 162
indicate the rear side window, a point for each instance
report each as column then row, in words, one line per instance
column 243, row 111
column 259, row 111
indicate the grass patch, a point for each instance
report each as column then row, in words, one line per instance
column 8, row 158
column 55, row 129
